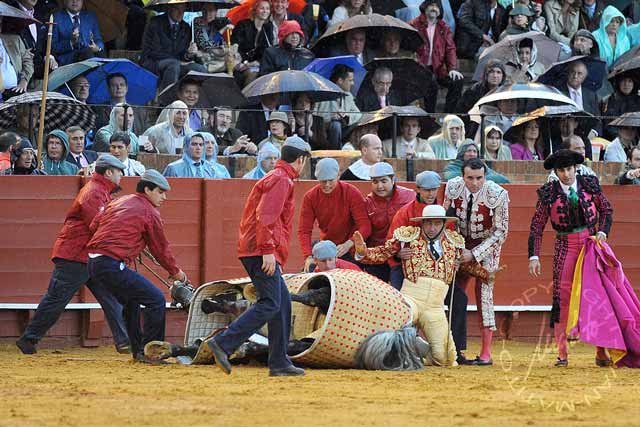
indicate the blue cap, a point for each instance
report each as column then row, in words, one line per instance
column 327, row 169
column 109, row 161
column 428, row 180
column 152, row 175
column 381, row 169
column 296, row 142
column 324, row 249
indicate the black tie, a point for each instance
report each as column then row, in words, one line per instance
column 78, row 161
column 469, row 206
column 76, row 22
column 434, row 252
column 174, row 31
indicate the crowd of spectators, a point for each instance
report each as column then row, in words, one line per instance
column 272, row 38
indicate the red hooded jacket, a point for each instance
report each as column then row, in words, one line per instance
column 126, row 226
column 443, row 57
column 72, row 239
column 382, row 211
column 267, row 218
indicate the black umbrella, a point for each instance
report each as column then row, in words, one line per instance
column 384, row 118
column 374, row 25
column 627, row 120
column 410, row 80
column 13, row 19
column 629, row 63
column 556, row 75
column 387, row 7
column 217, row 89
column 61, row 111
column 291, row 81
column 192, row 5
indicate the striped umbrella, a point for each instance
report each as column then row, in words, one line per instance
column 61, row 111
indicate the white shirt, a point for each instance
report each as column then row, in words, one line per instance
column 9, row 76
column 576, row 96
column 83, row 161
column 566, row 188
column 32, row 28
column 72, row 15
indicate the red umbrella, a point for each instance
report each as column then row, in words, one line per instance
column 243, row 11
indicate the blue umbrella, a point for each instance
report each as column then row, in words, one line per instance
column 324, row 67
column 142, row 83
column 556, row 75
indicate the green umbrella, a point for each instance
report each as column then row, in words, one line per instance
column 62, row 75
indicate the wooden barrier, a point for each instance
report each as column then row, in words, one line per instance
column 201, row 222
column 518, row 172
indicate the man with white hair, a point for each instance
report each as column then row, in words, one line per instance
column 380, row 94
column 371, row 149
column 169, row 135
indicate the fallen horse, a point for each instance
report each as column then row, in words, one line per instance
column 340, row 319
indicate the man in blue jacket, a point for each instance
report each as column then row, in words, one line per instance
column 76, row 35
column 193, row 163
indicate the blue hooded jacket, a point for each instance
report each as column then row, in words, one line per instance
column 188, row 168
column 267, row 150
column 58, row 167
column 623, row 43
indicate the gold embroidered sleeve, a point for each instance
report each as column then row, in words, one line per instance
column 380, row 254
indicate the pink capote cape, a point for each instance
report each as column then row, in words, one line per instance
column 604, row 310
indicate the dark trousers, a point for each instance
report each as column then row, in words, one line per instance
column 273, row 308
column 396, row 276
column 334, row 135
column 132, row 290
column 454, row 92
column 170, row 70
column 66, row 279
column 458, row 316
column 381, row 271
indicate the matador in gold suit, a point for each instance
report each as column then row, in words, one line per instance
column 428, row 273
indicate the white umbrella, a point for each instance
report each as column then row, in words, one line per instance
column 536, row 91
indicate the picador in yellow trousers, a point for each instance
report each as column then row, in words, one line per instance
column 428, row 273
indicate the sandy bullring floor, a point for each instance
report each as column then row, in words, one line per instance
column 80, row 387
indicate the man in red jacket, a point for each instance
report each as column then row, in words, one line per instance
column 427, row 185
column 338, row 207
column 263, row 247
column 70, row 259
column 438, row 54
column 121, row 232
column 385, row 199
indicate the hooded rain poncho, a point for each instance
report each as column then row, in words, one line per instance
column 623, row 44
column 58, row 167
column 265, row 152
column 188, row 168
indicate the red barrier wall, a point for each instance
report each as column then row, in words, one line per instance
column 201, row 222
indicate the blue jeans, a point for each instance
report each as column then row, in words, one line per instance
column 334, row 135
column 132, row 290
column 273, row 308
column 66, row 279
